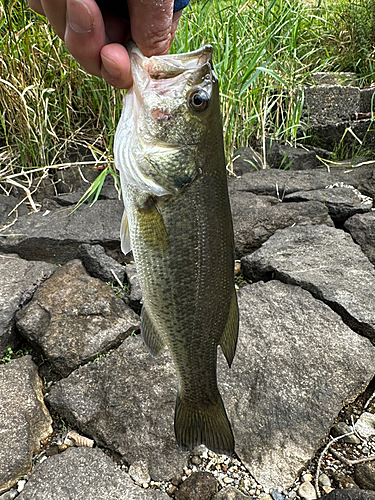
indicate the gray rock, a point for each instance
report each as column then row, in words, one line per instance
column 342, row 428
column 362, row 229
column 135, row 288
column 342, row 202
column 73, row 318
column 24, row 419
column 18, row 281
column 100, row 265
column 198, row 486
column 55, row 236
column 350, row 494
column 126, row 402
column 256, row 218
column 364, row 475
column 230, row 493
column 335, row 78
column 279, row 183
column 326, row 262
column 330, row 104
column 364, row 176
column 296, row 365
column 324, row 480
column 83, row 473
column 138, row 471
column 9, row 495
column 288, row 157
column 367, row 100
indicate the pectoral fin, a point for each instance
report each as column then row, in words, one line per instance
column 228, row 340
column 151, row 337
column 125, row 234
column 152, row 228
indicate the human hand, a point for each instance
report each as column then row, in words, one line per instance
column 96, row 40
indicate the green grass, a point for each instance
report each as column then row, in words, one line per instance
column 264, row 52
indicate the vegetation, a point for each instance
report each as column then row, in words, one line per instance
column 265, row 50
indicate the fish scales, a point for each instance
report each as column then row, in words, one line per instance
column 178, row 224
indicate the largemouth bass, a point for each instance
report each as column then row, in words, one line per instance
column 177, row 220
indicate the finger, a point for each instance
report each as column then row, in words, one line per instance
column 116, row 66
column 55, row 11
column 36, row 6
column 151, row 25
column 84, row 34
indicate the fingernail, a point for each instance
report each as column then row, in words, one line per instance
column 79, row 16
column 111, row 67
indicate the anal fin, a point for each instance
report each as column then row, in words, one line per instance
column 150, row 336
column 228, row 340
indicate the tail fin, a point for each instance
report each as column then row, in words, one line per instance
column 210, row 427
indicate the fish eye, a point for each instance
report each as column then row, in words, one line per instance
column 198, row 100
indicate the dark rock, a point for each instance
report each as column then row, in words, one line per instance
column 7, row 204
column 230, row 493
column 364, row 176
column 56, row 236
column 135, row 288
column 290, row 158
column 345, row 482
column 198, row 486
column 18, row 281
column 330, row 104
column 367, row 103
column 24, row 419
column 107, row 192
column 331, row 135
column 279, row 183
column 342, row 202
column 69, row 199
column 99, row 265
column 9, row 495
column 342, row 428
column 362, row 229
column 364, row 475
column 256, row 218
column 125, row 402
column 350, row 494
column 326, row 262
column 76, row 176
column 83, row 473
column 246, row 160
column 73, row 318
column 281, row 413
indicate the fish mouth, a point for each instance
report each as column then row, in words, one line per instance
column 173, row 70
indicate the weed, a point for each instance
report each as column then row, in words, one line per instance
column 8, row 355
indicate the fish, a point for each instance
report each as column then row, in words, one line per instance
column 177, row 221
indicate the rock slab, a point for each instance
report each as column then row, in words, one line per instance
column 126, row 402
column 83, row 473
column 256, row 218
column 296, row 365
column 73, row 318
column 18, row 281
column 326, row 262
column 54, row 236
column 362, row 229
column 24, row 419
